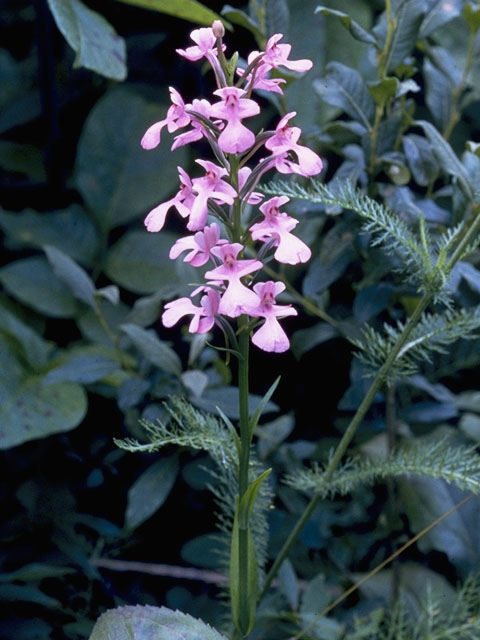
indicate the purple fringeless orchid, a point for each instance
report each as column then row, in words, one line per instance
column 232, row 284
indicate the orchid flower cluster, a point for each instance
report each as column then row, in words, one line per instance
column 226, row 191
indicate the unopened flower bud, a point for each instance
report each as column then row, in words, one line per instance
column 218, row 29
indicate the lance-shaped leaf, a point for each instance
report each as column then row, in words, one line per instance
column 344, row 87
column 72, row 274
column 94, row 40
column 187, row 9
column 153, row 349
column 358, row 32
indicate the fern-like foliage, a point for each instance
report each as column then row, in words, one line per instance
column 431, row 335
column 459, row 621
column 385, row 226
column 458, row 465
column 188, row 427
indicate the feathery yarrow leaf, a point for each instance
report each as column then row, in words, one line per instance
column 432, row 334
column 458, row 465
column 187, row 427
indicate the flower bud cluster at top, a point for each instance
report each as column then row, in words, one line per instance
column 226, row 189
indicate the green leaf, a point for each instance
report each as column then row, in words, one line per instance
column 83, row 365
column 439, row 94
column 76, row 278
column 227, row 401
column 237, row 16
column 252, row 425
column 153, row 349
column 150, row 490
column 70, row 230
column 446, row 156
column 471, row 14
column 345, row 88
column 195, row 381
column 33, row 348
column 408, row 17
column 30, row 410
column 95, row 42
column 187, row 9
column 138, row 262
column 384, row 91
column 33, row 282
column 151, row 623
column 244, row 620
column 288, row 583
column 306, row 339
column 272, row 434
column 26, row 593
column 119, row 180
column 421, row 160
column 36, row 571
column 353, row 27
column 440, row 14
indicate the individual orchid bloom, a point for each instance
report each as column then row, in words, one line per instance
column 276, row 55
column 197, row 132
column 260, row 77
column 236, row 295
column 270, row 336
column 284, row 141
column 182, row 202
column 206, row 45
column 277, row 225
column 177, row 118
column 199, row 246
column 235, row 137
column 203, row 316
column 210, row 186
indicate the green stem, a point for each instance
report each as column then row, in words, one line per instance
column 348, row 435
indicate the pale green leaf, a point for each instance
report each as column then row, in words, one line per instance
column 187, row 9
column 353, row 27
column 96, row 44
column 153, row 349
column 119, row 180
column 74, row 276
column 150, row 490
column 151, row 623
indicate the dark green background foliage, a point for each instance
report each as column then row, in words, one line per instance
column 84, row 356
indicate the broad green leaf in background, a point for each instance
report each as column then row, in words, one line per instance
column 119, row 180
column 138, row 262
column 29, row 410
column 237, row 16
column 446, row 156
column 76, row 278
column 85, row 364
column 187, row 9
column 69, row 230
column 439, row 94
column 151, row 623
column 96, row 44
column 345, row 88
column 22, row 158
column 33, row 282
column 408, row 16
column 155, row 350
column 33, row 348
column 421, row 159
column 353, row 27
column 150, row 490
column 226, row 399
column 440, row 14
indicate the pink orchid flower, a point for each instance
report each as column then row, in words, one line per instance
column 206, row 45
column 210, row 186
column 270, row 336
column 236, row 295
column 276, row 55
column 199, row 246
column 177, row 118
column 277, row 225
column 203, row 316
column 261, row 80
column 182, row 202
column 197, row 132
column 235, row 138
column 284, row 141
